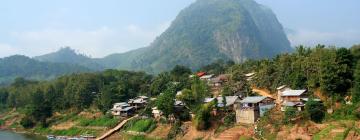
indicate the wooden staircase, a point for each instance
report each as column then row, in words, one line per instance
column 115, row 129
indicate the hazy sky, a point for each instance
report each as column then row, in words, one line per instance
column 99, row 28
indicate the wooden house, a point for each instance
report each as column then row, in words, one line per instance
column 231, row 101
column 250, row 109
column 122, row 109
column 138, row 102
column 292, row 98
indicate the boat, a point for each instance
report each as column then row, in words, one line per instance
column 51, row 137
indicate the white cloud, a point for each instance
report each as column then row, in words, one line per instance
column 312, row 38
column 96, row 43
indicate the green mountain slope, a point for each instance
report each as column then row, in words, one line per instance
column 22, row 66
column 69, row 56
column 206, row 31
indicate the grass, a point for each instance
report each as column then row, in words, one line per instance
column 141, row 125
column 323, row 133
column 220, row 129
column 73, row 131
column 245, row 138
column 134, row 137
column 15, row 125
column 103, row 121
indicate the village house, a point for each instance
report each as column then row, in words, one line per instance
column 207, row 77
column 179, row 107
column 156, row 113
column 138, row 102
column 219, row 80
column 122, row 109
column 231, row 101
column 291, row 98
column 279, row 92
column 250, row 109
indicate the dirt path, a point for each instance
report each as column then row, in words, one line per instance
column 161, row 131
column 192, row 133
column 235, row 133
column 262, row 92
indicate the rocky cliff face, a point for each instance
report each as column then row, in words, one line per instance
column 209, row 30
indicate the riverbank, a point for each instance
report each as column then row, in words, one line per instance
column 70, row 124
column 10, row 135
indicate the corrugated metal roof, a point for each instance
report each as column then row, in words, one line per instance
column 281, row 87
column 293, row 92
column 253, row 99
column 207, row 100
column 230, row 100
column 291, row 104
column 207, row 76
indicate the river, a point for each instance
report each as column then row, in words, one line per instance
column 8, row 135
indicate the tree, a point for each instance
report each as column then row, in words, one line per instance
column 195, row 96
column 315, row 110
column 165, row 102
column 224, row 102
column 3, row 96
column 39, row 109
column 202, row 117
column 106, row 98
column 179, row 72
column 356, row 88
column 159, row 83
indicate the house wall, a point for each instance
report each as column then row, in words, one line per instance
column 291, row 98
column 264, row 108
column 279, row 98
column 115, row 113
column 247, row 116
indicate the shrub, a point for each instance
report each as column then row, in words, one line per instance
column 229, row 119
column 2, row 122
column 290, row 113
column 202, row 118
column 356, row 113
column 141, row 125
column 175, row 130
column 184, row 116
column 27, row 122
column 315, row 110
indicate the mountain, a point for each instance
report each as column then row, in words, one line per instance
column 22, row 66
column 206, row 31
column 69, row 56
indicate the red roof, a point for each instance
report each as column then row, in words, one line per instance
column 200, row 74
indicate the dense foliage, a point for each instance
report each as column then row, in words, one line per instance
column 73, row 92
column 315, row 110
column 328, row 69
column 22, row 66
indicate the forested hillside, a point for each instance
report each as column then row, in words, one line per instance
column 69, row 56
column 22, row 66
